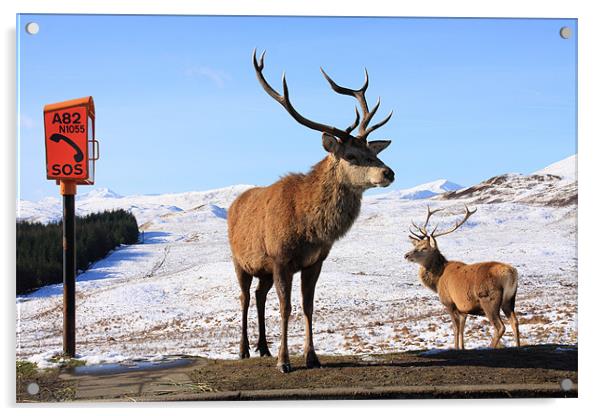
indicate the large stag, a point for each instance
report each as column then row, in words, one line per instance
column 465, row 289
column 290, row 226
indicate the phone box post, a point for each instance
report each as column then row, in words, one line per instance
column 71, row 152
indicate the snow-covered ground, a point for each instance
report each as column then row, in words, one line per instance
column 176, row 293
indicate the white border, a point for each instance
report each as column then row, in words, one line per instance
column 590, row 70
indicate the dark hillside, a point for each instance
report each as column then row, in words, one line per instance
column 40, row 253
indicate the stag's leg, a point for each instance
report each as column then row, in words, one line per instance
column 283, row 279
column 492, row 311
column 244, row 280
column 453, row 313
column 264, row 286
column 509, row 312
column 309, row 278
column 461, row 324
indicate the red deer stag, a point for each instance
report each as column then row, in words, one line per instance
column 465, row 289
column 291, row 225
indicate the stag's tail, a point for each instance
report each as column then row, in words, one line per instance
column 510, row 285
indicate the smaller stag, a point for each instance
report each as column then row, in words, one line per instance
column 465, row 289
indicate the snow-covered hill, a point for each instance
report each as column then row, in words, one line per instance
column 554, row 185
column 98, row 193
column 566, row 169
column 45, row 210
column 426, row 190
column 177, row 293
column 144, row 207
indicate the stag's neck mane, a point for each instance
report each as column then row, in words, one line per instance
column 332, row 205
column 431, row 271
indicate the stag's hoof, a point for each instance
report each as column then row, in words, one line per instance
column 244, row 354
column 311, row 360
column 263, row 351
column 285, row 368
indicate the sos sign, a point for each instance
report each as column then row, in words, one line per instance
column 71, row 148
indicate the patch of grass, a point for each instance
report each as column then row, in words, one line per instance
column 195, row 387
column 48, row 386
column 26, row 369
column 65, row 361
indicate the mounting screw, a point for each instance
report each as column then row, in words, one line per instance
column 33, row 388
column 32, row 28
column 566, row 384
column 565, row 32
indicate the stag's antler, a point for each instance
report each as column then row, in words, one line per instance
column 360, row 95
column 286, row 103
column 458, row 224
column 284, row 100
column 424, row 232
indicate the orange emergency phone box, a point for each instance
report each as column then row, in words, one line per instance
column 71, row 147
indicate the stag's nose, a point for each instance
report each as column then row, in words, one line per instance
column 389, row 174
column 406, row 256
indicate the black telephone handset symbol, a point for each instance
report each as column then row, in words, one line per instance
column 79, row 155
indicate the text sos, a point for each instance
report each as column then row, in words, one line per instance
column 67, row 169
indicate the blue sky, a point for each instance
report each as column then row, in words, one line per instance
column 179, row 108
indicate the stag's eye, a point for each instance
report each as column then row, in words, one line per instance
column 351, row 158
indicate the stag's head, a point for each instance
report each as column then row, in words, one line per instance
column 356, row 158
column 424, row 241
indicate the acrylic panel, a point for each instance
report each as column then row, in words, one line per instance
column 395, row 217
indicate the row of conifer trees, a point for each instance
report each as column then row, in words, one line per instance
column 40, row 252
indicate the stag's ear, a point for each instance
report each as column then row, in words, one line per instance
column 331, row 144
column 378, row 146
column 432, row 242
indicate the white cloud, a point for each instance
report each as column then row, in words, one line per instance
column 218, row 77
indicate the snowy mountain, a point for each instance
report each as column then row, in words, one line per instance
column 45, row 210
column 566, row 169
column 426, row 190
column 98, row 193
column 144, row 207
column 554, row 185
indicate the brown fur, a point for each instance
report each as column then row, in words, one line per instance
column 297, row 218
column 468, row 289
column 290, row 226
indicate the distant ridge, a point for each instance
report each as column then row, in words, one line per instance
column 554, row 185
column 208, row 204
column 100, row 193
column 565, row 168
column 426, row 190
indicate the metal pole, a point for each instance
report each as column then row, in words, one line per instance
column 69, row 266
